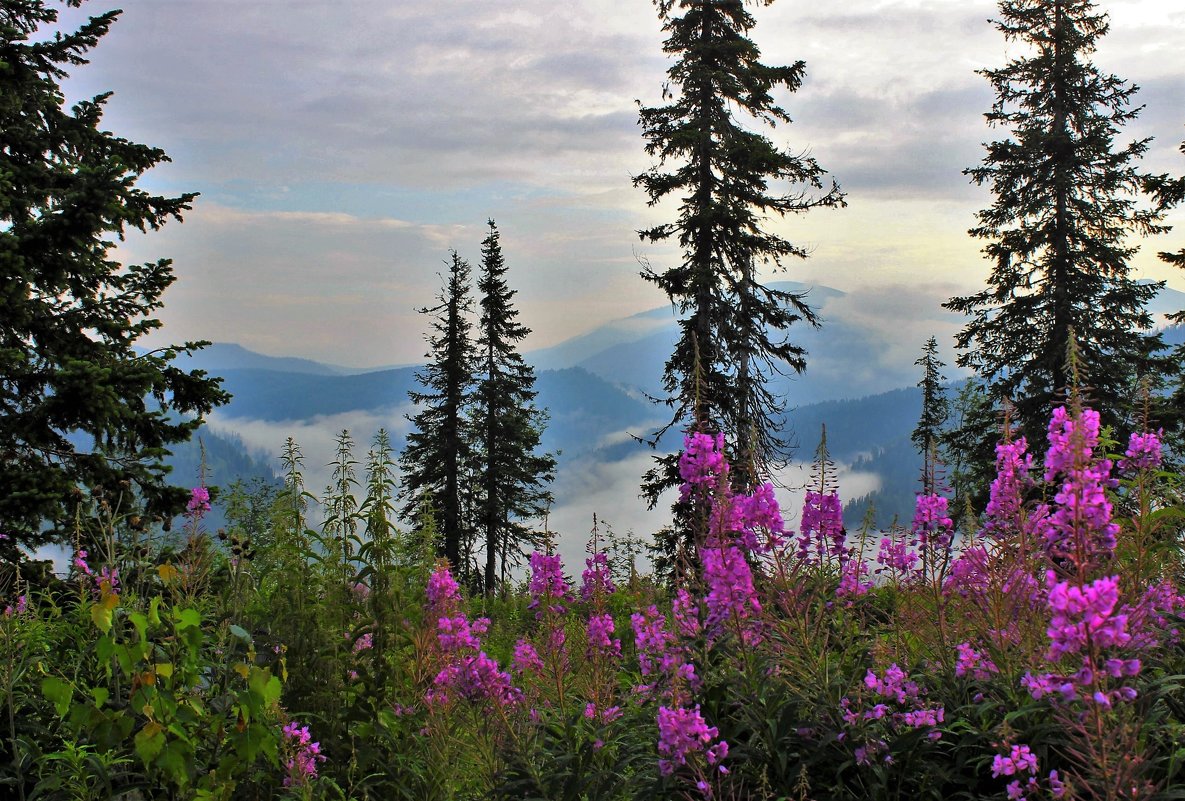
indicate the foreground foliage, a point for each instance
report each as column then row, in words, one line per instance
column 1033, row 653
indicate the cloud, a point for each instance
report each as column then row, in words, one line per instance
column 397, row 129
column 317, row 438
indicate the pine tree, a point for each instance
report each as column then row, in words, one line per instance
column 935, row 410
column 80, row 407
column 510, row 473
column 440, row 447
column 1066, row 198
column 1170, row 192
column 732, row 333
column 1170, row 411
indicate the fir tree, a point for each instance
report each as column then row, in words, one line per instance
column 732, row 333
column 510, row 474
column 1066, row 198
column 80, row 406
column 1170, row 411
column 440, row 447
column 1168, row 193
column 935, row 410
column 732, row 336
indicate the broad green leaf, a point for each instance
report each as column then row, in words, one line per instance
column 241, row 633
column 102, row 615
column 149, row 741
column 59, row 692
column 141, row 623
column 187, row 618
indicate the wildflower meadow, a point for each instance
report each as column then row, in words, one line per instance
column 1031, row 651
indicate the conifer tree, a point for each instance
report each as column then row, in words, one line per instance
column 732, row 333
column 1170, row 412
column 440, row 447
column 935, row 409
column 510, row 474
column 1067, row 197
column 1170, row 192
column 80, row 407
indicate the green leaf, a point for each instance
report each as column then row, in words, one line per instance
column 173, row 760
column 101, row 615
column 241, row 633
column 141, row 623
column 58, row 692
column 149, row 742
column 187, row 618
column 264, row 684
column 104, row 648
column 100, row 694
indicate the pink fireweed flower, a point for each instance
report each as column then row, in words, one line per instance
column 822, row 534
column 896, row 556
column 894, row 683
column 601, row 643
column 758, row 511
column 548, row 586
column 651, row 639
column 969, row 576
column 661, row 658
column 526, row 658
column 80, row 563
column 973, row 663
column 597, row 578
column 301, row 755
column 475, row 678
column 1143, row 452
column 702, row 463
column 1019, row 760
column 1082, row 614
column 1080, row 528
column 850, row 579
column 457, row 633
column 730, row 588
column 682, row 733
column 21, row 607
column 931, row 524
column 1153, row 619
column 199, row 502
column 364, row 643
column 443, row 595
column 1006, row 497
column 686, row 613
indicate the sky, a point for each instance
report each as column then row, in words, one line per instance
column 342, row 149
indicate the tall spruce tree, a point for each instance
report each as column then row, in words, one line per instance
column 733, row 328
column 1170, row 192
column 1067, row 197
column 80, row 407
column 511, row 476
column 1170, row 412
column 935, row 411
column 440, row 448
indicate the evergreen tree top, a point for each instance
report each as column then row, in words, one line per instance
column 80, row 407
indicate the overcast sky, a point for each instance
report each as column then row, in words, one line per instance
column 342, row 148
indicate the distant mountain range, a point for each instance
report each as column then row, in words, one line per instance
column 859, row 383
